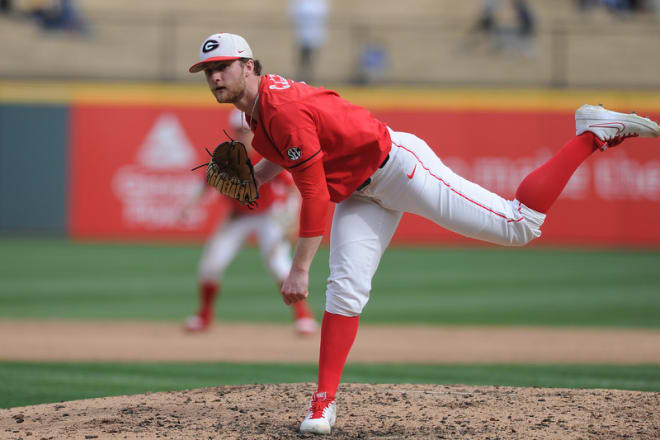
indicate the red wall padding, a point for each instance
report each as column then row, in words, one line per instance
column 130, row 172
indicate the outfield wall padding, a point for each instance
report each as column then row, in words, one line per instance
column 34, row 163
column 614, row 198
column 113, row 160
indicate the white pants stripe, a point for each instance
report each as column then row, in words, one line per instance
column 414, row 180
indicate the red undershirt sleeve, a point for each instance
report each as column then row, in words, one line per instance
column 315, row 199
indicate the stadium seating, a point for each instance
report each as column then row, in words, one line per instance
column 425, row 42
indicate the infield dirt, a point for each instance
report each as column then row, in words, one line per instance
column 365, row 411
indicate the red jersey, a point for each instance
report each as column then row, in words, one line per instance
column 273, row 191
column 299, row 126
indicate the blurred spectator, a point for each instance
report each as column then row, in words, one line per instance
column 616, row 6
column 526, row 23
column 373, row 63
column 520, row 37
column 58, row 15
column 486, row 22
column 5, row 6
column 309, row 18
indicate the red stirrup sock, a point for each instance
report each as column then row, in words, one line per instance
column 301, row 310
column 337, row 336
column 541, row 187
column 208, row 291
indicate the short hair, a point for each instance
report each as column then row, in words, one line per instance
column 257, row 65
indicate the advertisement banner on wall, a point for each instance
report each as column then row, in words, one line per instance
column 130, row 172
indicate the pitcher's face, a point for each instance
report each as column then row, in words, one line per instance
column 226, row 79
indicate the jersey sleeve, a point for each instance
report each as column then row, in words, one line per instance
column 284, row 179
column 294, row 132
column 315, row 204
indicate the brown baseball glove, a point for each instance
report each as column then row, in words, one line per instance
column 230, row 171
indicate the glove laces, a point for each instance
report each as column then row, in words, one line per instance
column 233, row 141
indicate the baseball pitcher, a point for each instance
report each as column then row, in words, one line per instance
column 338, row 152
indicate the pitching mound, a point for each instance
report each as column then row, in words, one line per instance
column 364, row 411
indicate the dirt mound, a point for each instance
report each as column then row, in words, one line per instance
column 364, row 411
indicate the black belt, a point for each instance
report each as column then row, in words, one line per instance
column 368, row 181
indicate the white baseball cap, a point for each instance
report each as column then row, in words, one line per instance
column 221, row 47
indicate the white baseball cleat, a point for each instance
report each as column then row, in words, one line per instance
column 196, row 324
column 305, row 326
column 613, row 127
column 321, row 415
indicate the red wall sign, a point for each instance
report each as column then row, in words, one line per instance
column 130, row 172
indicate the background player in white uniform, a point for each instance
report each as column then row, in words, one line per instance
column 339, row 152
column 270, row 222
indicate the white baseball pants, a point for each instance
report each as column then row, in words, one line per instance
column 413, row 180
column 228, row 238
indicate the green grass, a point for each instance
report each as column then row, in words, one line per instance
column 34, row 383
column 59, row 279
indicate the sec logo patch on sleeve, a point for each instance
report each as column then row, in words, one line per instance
column 294, row 153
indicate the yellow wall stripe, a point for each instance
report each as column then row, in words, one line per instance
column 375, row 98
